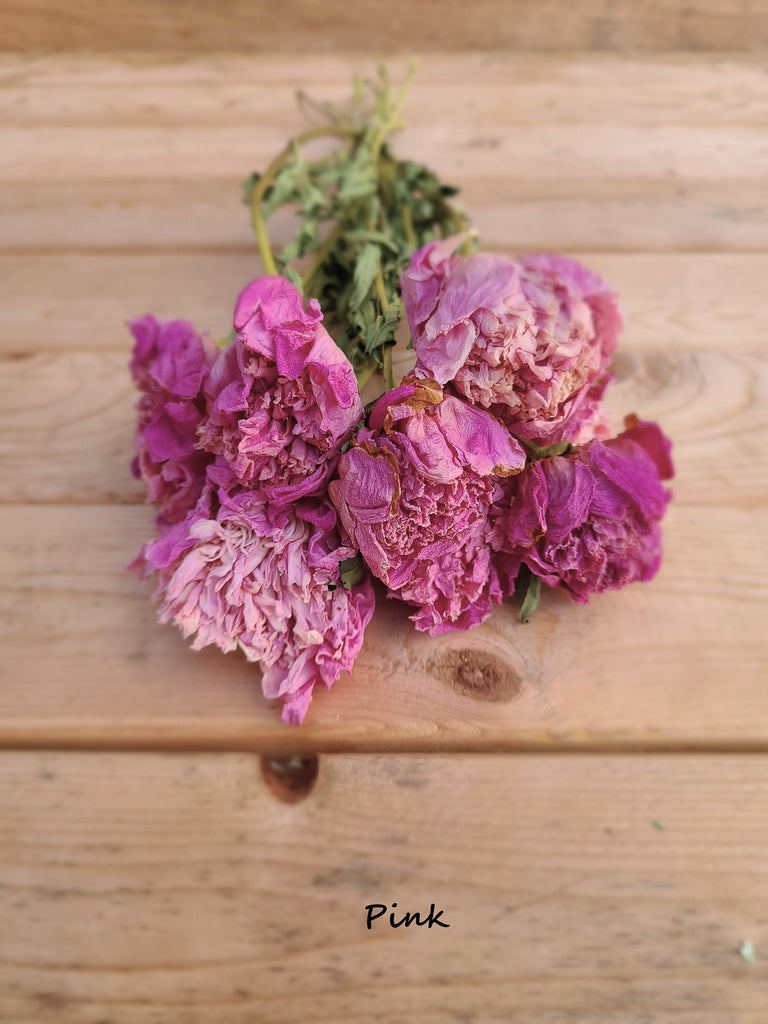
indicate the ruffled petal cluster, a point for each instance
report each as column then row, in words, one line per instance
column 240, row 573
column 282, row 398
column 170, row 365
column 590, row 520
column 414, row 494
column 528, row 339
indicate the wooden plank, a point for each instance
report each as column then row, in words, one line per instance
column 67, row 423
column 584, row 888
column 510, row 212
column 659, row 119
column 577, row 152
column 681, row 302
column 304, row 27
column 679, row 662
column 488, row 90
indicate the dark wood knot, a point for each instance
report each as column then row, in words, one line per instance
column 290, row 779
column 477, row 674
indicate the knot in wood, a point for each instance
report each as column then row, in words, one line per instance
column 477, row 674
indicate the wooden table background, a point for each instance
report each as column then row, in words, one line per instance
column 586, row 796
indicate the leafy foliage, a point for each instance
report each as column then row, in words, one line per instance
column 361, row 214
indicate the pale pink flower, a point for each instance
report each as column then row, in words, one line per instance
column 242, row 574
column 528, row 339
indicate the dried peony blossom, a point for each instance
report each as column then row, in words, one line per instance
column 414, row 493
column 590, row 519
column 170, row 364
column 282, row 397
column 239, row 573
column 529, row 339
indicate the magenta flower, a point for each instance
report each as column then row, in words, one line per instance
column 590, row 520
column 282, row 397
column 528, row 339
column 414, row 494
column 239, row 573
column 170, row 364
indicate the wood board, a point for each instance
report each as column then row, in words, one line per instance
column 146, row 888
column 303, row 27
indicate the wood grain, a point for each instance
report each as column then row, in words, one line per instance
column 146, row 888
column 680, row 662
column 575, row 151
column 489, row 89
column 301, row 25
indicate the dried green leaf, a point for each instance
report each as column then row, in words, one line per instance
column 351, row 571
column 538, row 452
column 382, row 330
column 293, row 276
column 248, row 186
column 376, row 237
column 227, row 339
column 367, row 267
column 357, row 178
column 531, row 599
column 284, row 189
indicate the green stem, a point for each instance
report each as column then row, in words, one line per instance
column 262, row 240
column 381, row 291
column 389, row 377
column 410, row 234
column 393, row 116
column 366, row 373
column 264, row 182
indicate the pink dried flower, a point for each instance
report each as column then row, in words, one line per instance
column 414, row 493
column 590, row 520
column 239, row 573
column 282, row 397
column 529, row 339
column 170, row 364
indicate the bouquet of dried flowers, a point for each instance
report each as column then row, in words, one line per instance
column 487, row 470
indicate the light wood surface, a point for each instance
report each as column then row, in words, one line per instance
column 606, row 866
column 371, row 25
column 146, row 888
